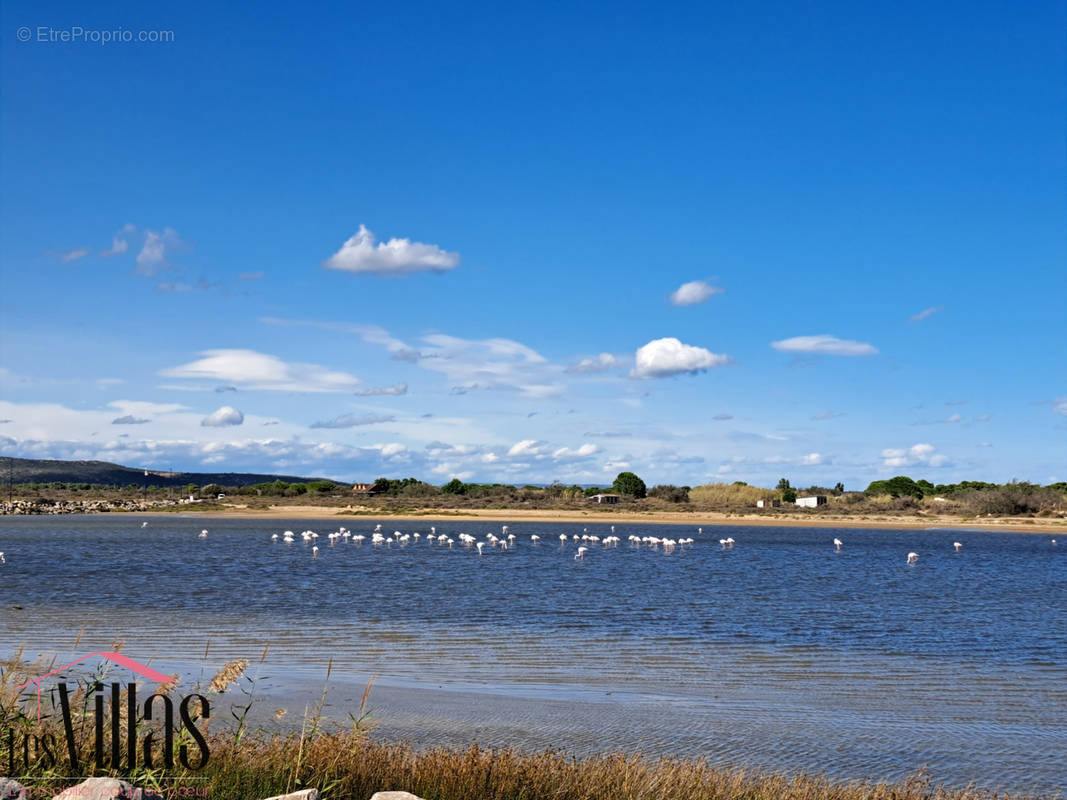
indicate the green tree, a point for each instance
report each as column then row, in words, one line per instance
column 900, row 486
column 783, row 484
column 839, row 488
column 454, row 486
column 789, row 495
column 629, row 484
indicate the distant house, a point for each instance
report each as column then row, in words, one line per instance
column 812, row 502
column 768, row 503
column 363, row 488
column 609, row 499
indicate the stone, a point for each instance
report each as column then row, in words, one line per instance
column 11, row 790
column 106, row 789
column 305, row 794
column 394, row 796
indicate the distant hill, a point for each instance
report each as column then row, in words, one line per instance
column 29, row 470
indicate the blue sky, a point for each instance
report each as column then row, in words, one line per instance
column 528, row 242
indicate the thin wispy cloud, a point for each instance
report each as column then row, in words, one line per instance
column 353, row 420
column 361, row 254
column 689, row 294
column 662, row 358
column 824, row 415
column 925, row 313
column 73, row 255
column 824, row 344
column 395, row 390
column 129, row 419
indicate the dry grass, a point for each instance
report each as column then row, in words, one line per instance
column 728, row 496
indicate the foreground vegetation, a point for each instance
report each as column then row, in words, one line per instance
column 346, row 763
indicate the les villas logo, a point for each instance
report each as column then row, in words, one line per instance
column 47, row 750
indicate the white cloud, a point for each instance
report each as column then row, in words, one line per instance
column 360, row 254
column 390, row 450
column 1060, row 406
column 251, row 370
column 922, row 453
column 527, row 447
column 926, row 312
column 694, row 292
column 584, row 451
column 223, row 417
column 153, row 255
column 119, row 244
column 824, row 344
column 662, row 358
column 811, row 459
column 129, row 419
column 600, row 363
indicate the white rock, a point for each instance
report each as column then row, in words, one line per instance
column 394, row 796
column 9, row 789
column 304, row 794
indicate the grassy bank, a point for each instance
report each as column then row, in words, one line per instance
column 348, row 764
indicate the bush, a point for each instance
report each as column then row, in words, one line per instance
column 670, row 493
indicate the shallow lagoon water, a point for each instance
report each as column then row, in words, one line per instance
column 779, row 653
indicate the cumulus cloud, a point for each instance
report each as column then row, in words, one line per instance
column 153, row 255
column 1060, row 406
column 398, row 389
column 119, row 243
column 360, row 254
column 353, row 420
column 926, row 312
column 689, row 294
column 662, row 358
column 129, row 419
column 223, row 417
column 251, row 370
column 824, row 344
column 922, row 453
column 600, row 363
column 811, row 459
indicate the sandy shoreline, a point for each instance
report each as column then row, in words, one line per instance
column 697, row 518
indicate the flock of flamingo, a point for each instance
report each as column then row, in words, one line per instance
column 506, row 541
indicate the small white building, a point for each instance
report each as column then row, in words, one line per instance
column 610, row 499
column 812, row 502
column 774, row 503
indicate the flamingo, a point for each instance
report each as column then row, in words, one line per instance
column 144, row 524
column 957, row 546
column 203, row 534
column 563, row 538
column 838, row 543
column 274, row 537
column 2, row 561
column 580, row 555
column 480, row 545
column 913, row 558
column 535, row 538
column 315, row 551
